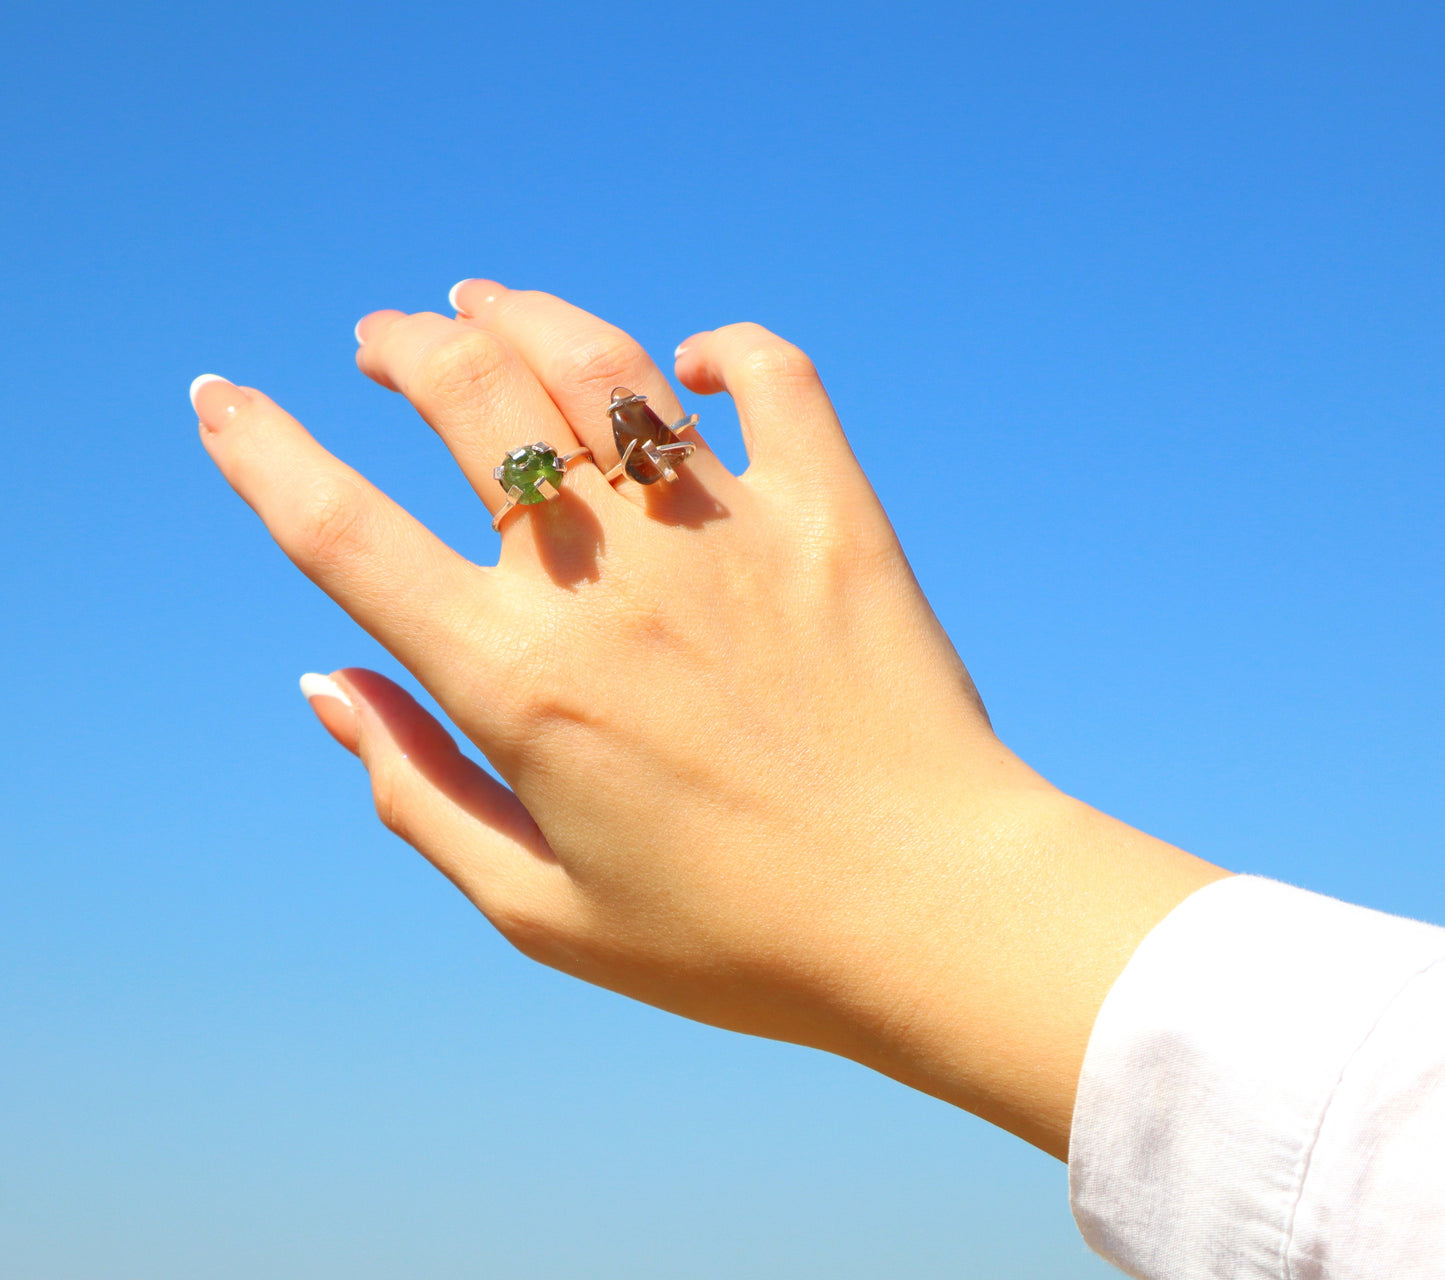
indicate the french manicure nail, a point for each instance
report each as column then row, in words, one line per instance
column 681, row 347
column 357, row 332
column 216, row 407
column 452, row 296
column 314, row 685
column 198, row 383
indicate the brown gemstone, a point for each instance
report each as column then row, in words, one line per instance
column 634, row 423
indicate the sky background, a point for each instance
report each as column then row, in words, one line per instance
column 1134, row 315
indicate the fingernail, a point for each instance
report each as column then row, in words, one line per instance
column 198, row 383
column 215, row 407
column 681, row 347
column 452, row 296
column 314, row 685
column 357, row 332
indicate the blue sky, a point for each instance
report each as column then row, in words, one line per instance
column 1134, row 314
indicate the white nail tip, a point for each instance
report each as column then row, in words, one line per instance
column 452, row 295
column 318, row 686
column 198, row 383
column 681, row 347
column 357, row 332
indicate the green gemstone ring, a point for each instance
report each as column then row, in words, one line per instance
column 532, row 473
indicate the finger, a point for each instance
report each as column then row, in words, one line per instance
column 580, row 359
column 390, row 573
column 787, row 420
column 468, row 825
column 474, row 390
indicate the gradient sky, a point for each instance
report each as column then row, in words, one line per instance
column 1134, row 314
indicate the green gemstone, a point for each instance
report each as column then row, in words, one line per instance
column 524, row 467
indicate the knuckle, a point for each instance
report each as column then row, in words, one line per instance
column 460, row 367
column 605, row 361
column 846, row 552
column 332, row 521
column 771, row 359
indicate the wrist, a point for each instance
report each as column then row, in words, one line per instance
column 982, row 967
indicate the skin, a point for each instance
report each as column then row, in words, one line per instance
column 748, row 778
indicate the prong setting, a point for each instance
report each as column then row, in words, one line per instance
column 648, row 449
column 532, row 473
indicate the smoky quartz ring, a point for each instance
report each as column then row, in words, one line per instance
column 532, row 473
column 648, row 449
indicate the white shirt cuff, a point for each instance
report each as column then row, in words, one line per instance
column 1230, row 1119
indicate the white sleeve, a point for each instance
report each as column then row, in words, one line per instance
column 1263, row 1095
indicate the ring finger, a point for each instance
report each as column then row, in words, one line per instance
column 475, row 391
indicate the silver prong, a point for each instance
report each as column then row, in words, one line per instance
column 496, row 473
column 547, row 489
column 620, row 469
column 659, row 460
column 512, row 495
column 684, row 424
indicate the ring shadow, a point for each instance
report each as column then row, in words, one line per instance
column 683, row 502
column 569, row 538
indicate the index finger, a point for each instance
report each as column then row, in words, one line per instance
column 404, row 585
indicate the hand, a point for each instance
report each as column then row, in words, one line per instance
column 750, row 780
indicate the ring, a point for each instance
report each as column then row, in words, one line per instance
column 532, row 473
column 649, row 449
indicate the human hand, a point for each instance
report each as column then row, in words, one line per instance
column 748, row 778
